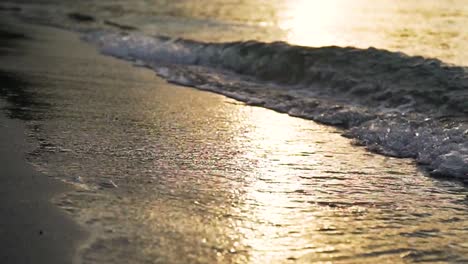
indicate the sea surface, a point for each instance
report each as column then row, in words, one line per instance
column 170, row 174
column 393, row 73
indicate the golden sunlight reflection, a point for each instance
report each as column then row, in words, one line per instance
column 284, row 222
column 431, row 28
column 290, row 190
column 313, row 22
column 428, row 28
column 308, row 198
column 205, row 179
column 277, row 142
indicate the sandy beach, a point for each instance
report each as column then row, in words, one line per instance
column 32, row 229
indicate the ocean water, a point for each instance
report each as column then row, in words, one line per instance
column 429, row 28
column 174, row 175
column 386, row 98
column 392, row 72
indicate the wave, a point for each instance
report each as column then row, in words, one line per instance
column 392, row 103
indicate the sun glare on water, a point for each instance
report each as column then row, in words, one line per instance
column 429, row 28
column 314, row 22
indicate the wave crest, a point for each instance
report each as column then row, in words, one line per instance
column 393, row 103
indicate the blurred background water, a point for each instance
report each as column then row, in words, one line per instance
column 429, row 28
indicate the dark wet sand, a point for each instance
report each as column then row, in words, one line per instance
column 32, row 229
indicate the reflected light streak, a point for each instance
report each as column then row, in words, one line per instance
column 277, row 226
column 420, row 27
column 302, row 193
column 314, row 22
column 303, row 201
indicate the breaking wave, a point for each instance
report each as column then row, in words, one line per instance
column 392, row 103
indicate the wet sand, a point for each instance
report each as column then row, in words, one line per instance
column 32, row 229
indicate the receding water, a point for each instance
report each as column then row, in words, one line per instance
column 175, row 175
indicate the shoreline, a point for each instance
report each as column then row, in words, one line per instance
column 430, row 140
column 33, row 229
column 430, row 131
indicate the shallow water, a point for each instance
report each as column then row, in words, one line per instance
column 395, row 104
column 430, row 28
column 175, row 175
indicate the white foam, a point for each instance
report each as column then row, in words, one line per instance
column 389, row 102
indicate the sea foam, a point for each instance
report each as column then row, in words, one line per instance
column 392, row 103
